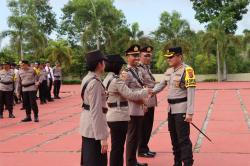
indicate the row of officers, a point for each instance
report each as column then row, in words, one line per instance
column 23, row 82
column 125, row 102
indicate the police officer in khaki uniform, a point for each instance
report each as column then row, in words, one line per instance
column 148, row 119
column 118, row 115
column 57, row 72
column 28, row 81
column 136, row 109
column 180, row 79
column 43, row 85
column 7, row 76
column 93, row 122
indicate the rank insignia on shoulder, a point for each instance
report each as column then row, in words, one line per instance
column 189, row 77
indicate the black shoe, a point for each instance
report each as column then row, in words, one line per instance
column 147, row 155
column 27, row 119
column 57, row 97
column 141, row 164
column 153, row 153
column 36, row 119
column 11, row 116
column 22, row 108
column 50, row 100
column 1, row 116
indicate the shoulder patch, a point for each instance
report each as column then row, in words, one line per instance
column 189, row 77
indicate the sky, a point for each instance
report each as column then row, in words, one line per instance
column 145, row 12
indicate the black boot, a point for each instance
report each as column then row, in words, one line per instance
column 36, row 119
column 11, row 115
column 27, row 119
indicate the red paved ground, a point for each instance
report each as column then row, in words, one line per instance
column 222, row 110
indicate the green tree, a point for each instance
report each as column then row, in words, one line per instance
column 91, row 21
column 173, row 31
column 59, row 51
column 25, row 22
column 45, row 17
column 222, row 17
column 217, row 39
column 135, row 33
column 226, row 12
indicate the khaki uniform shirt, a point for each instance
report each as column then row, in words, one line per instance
column 135, row 108
column 149, row 81
column 93, row 122
column 27, row 77
column 118, row 92
column 7, row 80
column 43, row 75
column 181, row 83
column 57, row 72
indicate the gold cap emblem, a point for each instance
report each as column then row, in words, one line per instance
column 148, row 49
column 136, row 48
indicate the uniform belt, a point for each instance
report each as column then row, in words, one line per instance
column 6, row 83
column 27, row 85
column 176, row 101
column 122, row 104
column 87, row 108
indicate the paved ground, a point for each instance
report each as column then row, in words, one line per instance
column 222, row 111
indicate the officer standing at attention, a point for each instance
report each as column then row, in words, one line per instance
column 7, row 76
column 50, row 81
column 148, row 119
column 180, row 79
column 136, row 109
column 57, row 72
column 118, row 115
column 43, row 87
column 28, row 81
column 93, row 123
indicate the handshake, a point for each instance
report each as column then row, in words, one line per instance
column 150, row 92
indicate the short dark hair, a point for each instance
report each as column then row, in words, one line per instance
column 92, row 66
column 113, row 67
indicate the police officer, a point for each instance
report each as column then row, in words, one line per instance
column 180, row 79
column 93, row 123
column 118, row 115
column 43, row 87
column 57, row 72
column 148, row 119
column 136, row 109
column 50, row 81
column 28, row 81
column 7, row 76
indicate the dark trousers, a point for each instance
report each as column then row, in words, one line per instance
column 29, row 99
column 133, row 134
column 118, row 131
column 6, row 98
column 180, row 137
column 49, row 89
column 91, row 153
column 147, row 125
column 57, row 86
column 43, row 88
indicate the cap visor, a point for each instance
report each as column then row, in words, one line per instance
column 168, row 55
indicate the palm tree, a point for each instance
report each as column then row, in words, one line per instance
column 217, row 39
column 246, row 42
column 173, row 31
column 59, row 51
column 134, row 33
